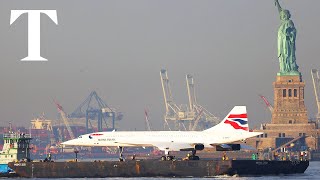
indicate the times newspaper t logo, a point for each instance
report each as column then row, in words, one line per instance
column 34, row 30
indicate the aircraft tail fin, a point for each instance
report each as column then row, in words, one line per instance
column 236, row 120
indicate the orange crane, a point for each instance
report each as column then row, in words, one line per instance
column 267, row 103
column 65, row 119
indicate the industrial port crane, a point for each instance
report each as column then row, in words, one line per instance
column 316, row 86
column 200, row 113
column 65, row 119
column 95, row 109
column 192, row 114
column 173, row 111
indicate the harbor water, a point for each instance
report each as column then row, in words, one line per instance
column 313, row 172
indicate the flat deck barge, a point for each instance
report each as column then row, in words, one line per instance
column 156, row 168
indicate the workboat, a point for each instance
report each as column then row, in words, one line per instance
column 15, row 149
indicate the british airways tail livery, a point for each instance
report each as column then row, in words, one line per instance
column 237, row 119
column 234, row 127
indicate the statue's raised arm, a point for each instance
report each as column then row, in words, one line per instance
column 278, row 5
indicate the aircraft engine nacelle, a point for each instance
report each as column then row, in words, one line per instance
column 199, row 147
column 228, row 147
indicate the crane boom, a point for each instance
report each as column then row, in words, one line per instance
column 65, row 119
column 148, row 126
column 199, row 112
column 316, row 86
column 267, row 103
column 196, row 121
column 191, row 92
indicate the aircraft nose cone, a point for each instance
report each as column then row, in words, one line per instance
column 67, row 143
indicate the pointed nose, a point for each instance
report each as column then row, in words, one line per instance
column 70, row 143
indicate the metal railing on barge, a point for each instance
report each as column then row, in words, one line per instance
column 16, row 136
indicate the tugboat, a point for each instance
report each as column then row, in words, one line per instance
column 15, row 149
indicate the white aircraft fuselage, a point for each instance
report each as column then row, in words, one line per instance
column 164, row 140
column 233, row 128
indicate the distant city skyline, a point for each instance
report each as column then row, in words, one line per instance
column 117, row 48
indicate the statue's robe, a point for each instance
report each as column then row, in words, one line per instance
column 286, row 46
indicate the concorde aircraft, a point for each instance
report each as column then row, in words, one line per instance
column 234, row 127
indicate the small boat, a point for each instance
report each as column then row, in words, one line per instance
column 15, row 149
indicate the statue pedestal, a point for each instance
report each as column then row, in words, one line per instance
column 289, row 117
column 289, row 107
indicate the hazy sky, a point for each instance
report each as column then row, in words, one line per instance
column 118, row 48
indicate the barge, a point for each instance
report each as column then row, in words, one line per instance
column 15, row 162
column 156, row 168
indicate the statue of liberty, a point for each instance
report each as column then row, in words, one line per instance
column 286, row 43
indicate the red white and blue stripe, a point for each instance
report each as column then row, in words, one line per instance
column 95, row 134
column 238, row 121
